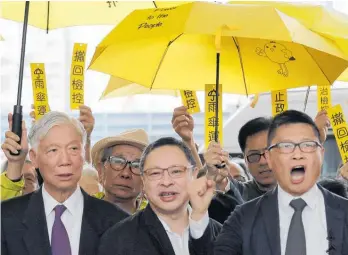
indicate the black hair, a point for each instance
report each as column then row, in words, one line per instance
column 251, row 128
column 290, row 117
column 166, row 141
column 335, row 186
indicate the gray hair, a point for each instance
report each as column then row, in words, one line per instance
column 51, row 119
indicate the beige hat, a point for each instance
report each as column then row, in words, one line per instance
column 135, row 137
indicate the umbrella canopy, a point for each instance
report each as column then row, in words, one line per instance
column 261, row 49
column 320, row 19
column 120, row 88
column 58, row 14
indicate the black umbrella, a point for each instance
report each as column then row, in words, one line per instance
column 17, row 109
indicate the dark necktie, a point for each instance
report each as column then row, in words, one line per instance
column 60, row 244
column 296, row 243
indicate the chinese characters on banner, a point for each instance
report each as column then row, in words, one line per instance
column 210, row 116
column 324, row 97
column 38, row 77
column 340, row 129
column 77, row 76
column 189, row 99
column 279, row 101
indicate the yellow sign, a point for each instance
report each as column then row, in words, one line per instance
column 38, row 77
column 210, row 114
column 189, row 99
column 324, row 97
column 279, row 101
column 340, row 129
column 77, row 75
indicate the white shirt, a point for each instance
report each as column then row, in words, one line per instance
column 313, row 217
column 71, row 217
column 180, row 242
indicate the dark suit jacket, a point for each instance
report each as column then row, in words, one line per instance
column 143, row 233
column 253, row 228
column 24, row 228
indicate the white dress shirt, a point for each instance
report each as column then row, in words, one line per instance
column 71, row 217
column 195, row 228
column 313, row 217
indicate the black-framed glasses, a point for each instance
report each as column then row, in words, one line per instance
column 176, row 171
column 119, row 164
column 289, row 147
column 255, row 157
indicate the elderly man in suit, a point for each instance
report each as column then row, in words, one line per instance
column 298, row 217
column 59, row 218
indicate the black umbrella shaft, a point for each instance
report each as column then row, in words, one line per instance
column 217, row 97
column 24, row 40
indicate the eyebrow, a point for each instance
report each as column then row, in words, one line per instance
column 122, row 156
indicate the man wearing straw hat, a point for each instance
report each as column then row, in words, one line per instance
column 117, row 160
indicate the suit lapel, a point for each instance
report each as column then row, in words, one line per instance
column 335, row 223
column 270, row 216
column 157, row 232
column 36, row 235
column 89, row 234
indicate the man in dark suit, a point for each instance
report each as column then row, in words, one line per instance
column 168, row 224
column 298, row 217
column 59, row 218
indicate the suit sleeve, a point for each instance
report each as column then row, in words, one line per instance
column 4, row 250
column 204, row 245
column 230, row 239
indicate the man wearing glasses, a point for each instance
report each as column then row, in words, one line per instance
column 299, row 217
column 252, row 140
column 168, row 224
column 117, row 160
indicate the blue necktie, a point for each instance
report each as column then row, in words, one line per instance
column 60, row 244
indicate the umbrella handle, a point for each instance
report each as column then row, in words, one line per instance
column 17, row 118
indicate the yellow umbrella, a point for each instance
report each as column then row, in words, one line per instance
column 57, row 14
column 320, row 19
column 174, row 48
column 118, row 87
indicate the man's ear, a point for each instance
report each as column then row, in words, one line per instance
column 32, row 156
column 195, row 173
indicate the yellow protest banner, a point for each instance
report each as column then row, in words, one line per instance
column 279, row 101
column 77, row 75
column 189, row 99
column 38, row 77
column 324, row 97
column 210, row 114
column 340, row 129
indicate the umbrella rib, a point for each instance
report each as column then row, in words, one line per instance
column 317, row 64
column 154, row 3
column 241, row 63
column 164, row 54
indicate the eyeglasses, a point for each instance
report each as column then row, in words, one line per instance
column 154, row 174
column 255, row 157
column 119, row 164
column 289, row 147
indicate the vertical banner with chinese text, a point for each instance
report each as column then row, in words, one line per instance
column 77, row 75
column 38, row 77
column 210, row 117
column 324, row 97
column 279, row 101
column 340, row 129
column 189, row 99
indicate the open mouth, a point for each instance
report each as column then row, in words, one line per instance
column 297, row 174
column 168, row 196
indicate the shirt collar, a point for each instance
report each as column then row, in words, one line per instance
column 72, row 204
column 167, row 228
column 310, row 197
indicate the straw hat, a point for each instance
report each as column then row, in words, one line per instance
column 135, row 137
